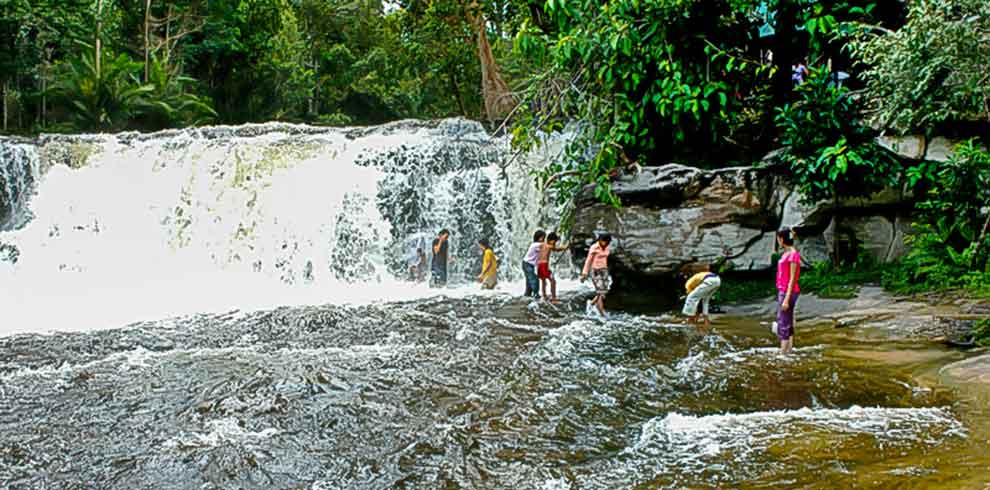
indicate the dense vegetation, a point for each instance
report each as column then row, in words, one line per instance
column 148, row 64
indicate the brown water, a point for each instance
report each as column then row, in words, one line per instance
column 480, row 393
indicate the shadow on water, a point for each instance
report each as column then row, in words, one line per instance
column 482, row 392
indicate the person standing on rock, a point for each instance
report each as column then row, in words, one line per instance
column 529, row 265
column 597, row 266
column 700, row 288
column 438, row 267
column 788, row 273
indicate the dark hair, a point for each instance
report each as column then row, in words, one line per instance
column 444, row 232
column 484, row 243
column 539, row 236
column 553, row 237
column 605, row 237
column 786, row 236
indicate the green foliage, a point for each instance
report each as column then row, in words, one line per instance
column 744, row 289
column 931, row 70
column 175, row 99
column 644, row 87
column 655, row 81
column 828, row 281
column 951, row 246
column 114, row 98
column 981, row 334
column 830, row 153
column 234, row 61
column 104, row 100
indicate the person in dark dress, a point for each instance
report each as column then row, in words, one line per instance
column 438, row 278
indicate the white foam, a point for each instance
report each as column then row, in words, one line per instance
column 225, row 430
column 180, row 223
column 685, row 435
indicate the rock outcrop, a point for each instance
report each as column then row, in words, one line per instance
column 676, row 216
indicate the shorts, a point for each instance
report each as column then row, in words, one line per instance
column 785, row 319
column 543, row 270
column 489, row 282
column 438, row 278
column 601, row 280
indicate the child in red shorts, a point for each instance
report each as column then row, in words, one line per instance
column 543, row 267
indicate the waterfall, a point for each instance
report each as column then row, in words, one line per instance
column 18, row 170
column 130, row 226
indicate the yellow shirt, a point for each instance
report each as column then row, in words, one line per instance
column 489, row 260
column 695, row 280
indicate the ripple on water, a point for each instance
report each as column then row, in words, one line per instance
column 733, row 448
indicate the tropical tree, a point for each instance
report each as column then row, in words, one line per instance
column 104, row 98
column 932, row 70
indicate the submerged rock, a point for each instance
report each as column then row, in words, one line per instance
column 975, row 370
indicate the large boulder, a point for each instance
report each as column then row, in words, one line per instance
column 911, row 147
column 674, row 217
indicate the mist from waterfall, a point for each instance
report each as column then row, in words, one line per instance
column 104, row 230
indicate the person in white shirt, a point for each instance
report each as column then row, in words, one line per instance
column 529, row 265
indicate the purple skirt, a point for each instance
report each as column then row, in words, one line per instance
column 785, row 319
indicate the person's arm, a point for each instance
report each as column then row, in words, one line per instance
column 792, row 266
column 587, row 262
column 436, row 246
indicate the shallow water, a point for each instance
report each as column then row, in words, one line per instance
column 481, row 391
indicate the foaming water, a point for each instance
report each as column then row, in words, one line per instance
column 470, row 390
column 267, row 336
column 132, row 227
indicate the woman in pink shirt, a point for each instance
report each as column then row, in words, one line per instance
column 597, row 265
column 788, row 273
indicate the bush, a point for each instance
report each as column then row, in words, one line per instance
column 931, row 70
column 830, row 153
column 951, row 249
column 981, row 334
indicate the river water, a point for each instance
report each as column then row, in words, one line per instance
column 193, row 340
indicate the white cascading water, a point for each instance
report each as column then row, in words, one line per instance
column 132, row 227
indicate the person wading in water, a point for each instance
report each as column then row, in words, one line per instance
column 438, row 278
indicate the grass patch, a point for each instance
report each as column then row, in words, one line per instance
column 745, row 289
column 822, row 279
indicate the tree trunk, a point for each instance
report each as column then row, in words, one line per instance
column 6, row 86
column 313, row 94
column 499, row 101
column 785, row 50
column 168, row 34
column 147, row 29
column 20, row 110
column 977, row 253
column 99, row 26
column 457, row 92
column 835, row 237
column 44, row 94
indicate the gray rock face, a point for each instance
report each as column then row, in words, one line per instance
column 674, row 217
column 911, row 147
